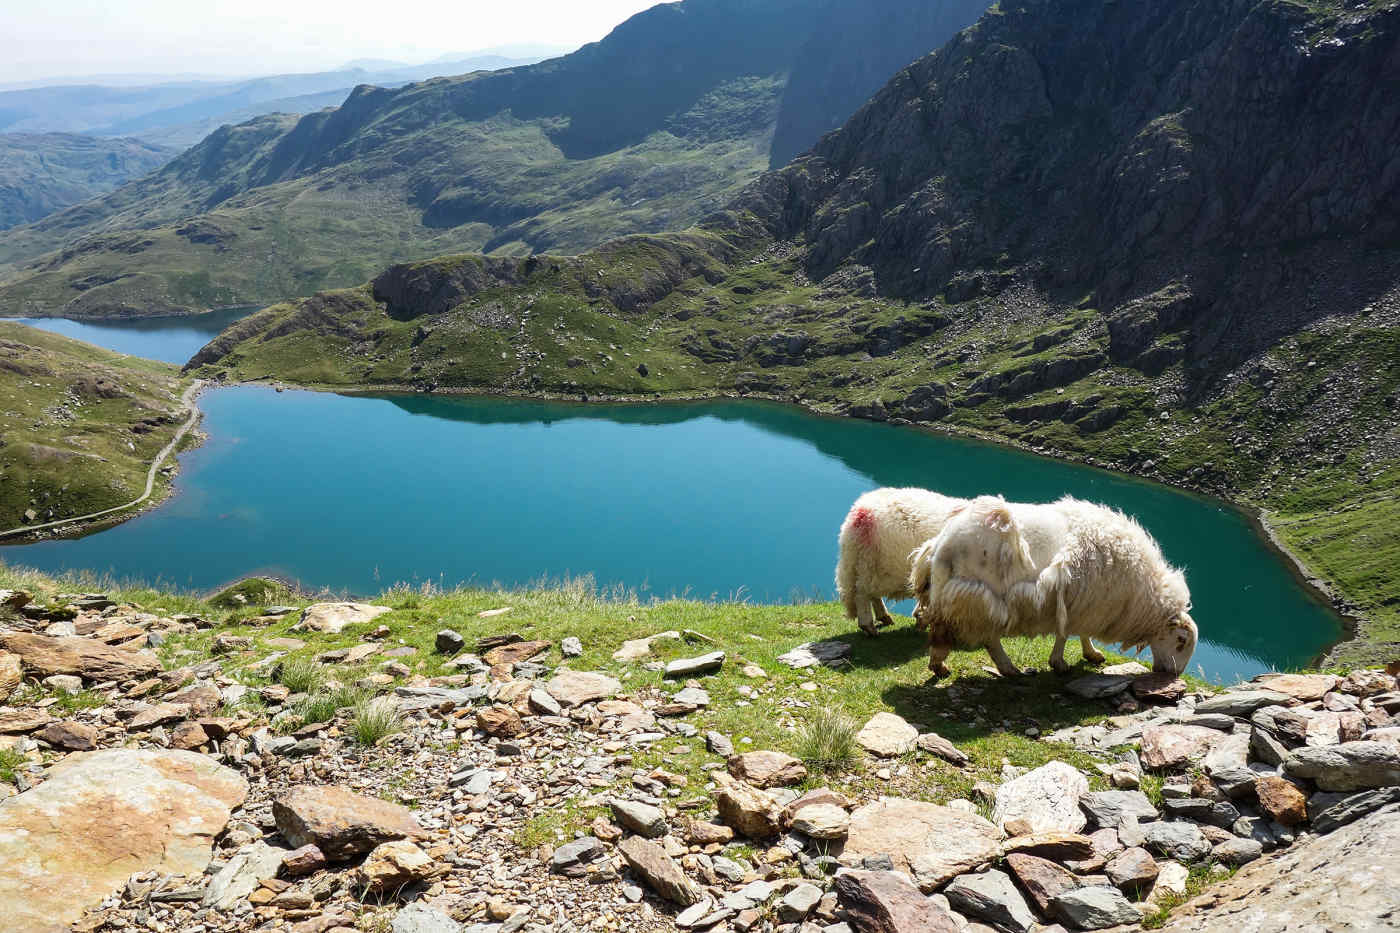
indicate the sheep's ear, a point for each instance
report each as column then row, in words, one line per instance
column 999, row 519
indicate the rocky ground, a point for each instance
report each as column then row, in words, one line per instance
column 519, row 793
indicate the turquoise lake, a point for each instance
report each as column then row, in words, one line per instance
column 713, row 500
column 171, row 339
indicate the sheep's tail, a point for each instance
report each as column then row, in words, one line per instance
column 857, row 542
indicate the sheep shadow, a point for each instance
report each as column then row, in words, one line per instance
column 893, row 647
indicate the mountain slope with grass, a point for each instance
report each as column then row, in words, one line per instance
column 41, row 173
column 660, row 123
column 79, row 426
column 1161, row 239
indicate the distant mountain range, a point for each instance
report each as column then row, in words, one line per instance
column 45, row 172
column 653, row 127
column 182, row 112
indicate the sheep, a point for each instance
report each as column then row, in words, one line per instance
column 879, row 535
column 1070, row 568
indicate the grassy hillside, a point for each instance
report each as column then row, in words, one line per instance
column 43, row 173
column 1009, row 279
column 79, row 426
column 656, row 126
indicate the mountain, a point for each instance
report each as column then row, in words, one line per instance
column 43, row 173
column 1163, row 238
column 652, row 128
column 81, row 425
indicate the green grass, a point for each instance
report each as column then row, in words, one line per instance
column 1201, row 877
column 826, row 742
column 374, row 720
column 10, row 762
column 301, row 674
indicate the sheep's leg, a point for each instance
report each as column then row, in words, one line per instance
column 1057, row 655
column 1091, row 654
column 864, row 618
column 1000, row 659
column 882, row 615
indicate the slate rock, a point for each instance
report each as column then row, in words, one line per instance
column 935, row 744
column 1095, row 908
column 640, row 818
column 391, row 866
column 1351, row 807
column 69, row 736
column 1174, row 745
column 575, row 853
column 887, row 735
column 749, row 811
column 420, row 918
column 1042, row 879
column 822, row 821
column 1097, row 686
column 1107, row 808
column 767, row 768
column 340, row 823
column 650, row 863
column 931, row 843
column 991, row 896
column 1241, row 702
column 1348, row 766
column 1046, row 799
column 574, row 688
column 886, row 902
column 1181, row 841
column 1237, row 851
column 694, row 667
column 241, row 875
column 1134, row 869
column 42, row 656
column 1220, row 813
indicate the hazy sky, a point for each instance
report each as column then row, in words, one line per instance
column 47, row 38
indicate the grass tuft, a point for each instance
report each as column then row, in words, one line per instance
column 301, row 675
column 826, row 742
column 375, row 718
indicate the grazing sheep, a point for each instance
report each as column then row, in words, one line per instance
column 877, row 539
column 1070, row 568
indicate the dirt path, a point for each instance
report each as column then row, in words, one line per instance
column 187, row 403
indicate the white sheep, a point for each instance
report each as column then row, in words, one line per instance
column 877, row 539
column 1070, row 568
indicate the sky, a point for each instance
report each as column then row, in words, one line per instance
column 55, row 38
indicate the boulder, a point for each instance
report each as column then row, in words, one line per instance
column 767, row 768
column 991, row 897
column 574, row 688
column 931, row 843
column 650, row 863
column 886, row 902
column 751, row 812
column 331, row 618
column 1348, row 766
column 42, row 655
column 822, row 821
column 1343, row 881
column 887, row 736
column 394, row 865
column 340, row 823
column 99, row 818
column 1047, row 799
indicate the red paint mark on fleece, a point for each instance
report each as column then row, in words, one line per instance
column 863, row 523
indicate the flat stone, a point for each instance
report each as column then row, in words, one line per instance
column 931, row 843
column 1348, row 766
column 638, row 648
column 1097, row 686
column 1281, row 799
column 887, row 735
column 189, row 736
column 515, row 652
column 810, row 654
column 420, row 918
column 340, row 823
column 650, row 863
column 692, row 696
column 1042, row 879
column 574, row 688
column 21, row 721
column 1060, row 846
column 1264, row 747
column 1237, row 851
column 799, row 902
column 241, row 875
column 1305, row 687
column 332, row 618
column 305, row 860
column 767, row 768
column 413, row 699
column 886, row 902
column 991, row 896
column 1220, row 813
column 99, row 818
column 1172, row 746
column 1046, row 799
column 1095, row 908
column 161, row 714
column 1108, row 808
column 640, row 818
column 1235, row 783
column 935, row 744
column 542, row 702
column 694, row 667
column 822, row 821
column 500, row 721
column 1350, row 807
column 1160, row 687
column 576, row 853
column 1231, row 752
column 391, row 866
column 1134, row 869
column 1241, row 702
column 1307, row 726
column 1181, row 841
column 42, row 656
column 69, row 736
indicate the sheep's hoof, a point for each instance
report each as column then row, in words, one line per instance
column 870, row 632
column 939, row 670
column 1061, row 668
column 885, row 621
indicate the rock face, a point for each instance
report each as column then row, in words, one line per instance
column 1047, row 799
column 885, row 902
column 101, row 817
column 41, row 656
column 340, row 823
column 932, row 844
column 1341, row 883
column 887, row 735
column 331, row 618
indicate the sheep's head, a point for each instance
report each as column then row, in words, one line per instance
column 1172, row 649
